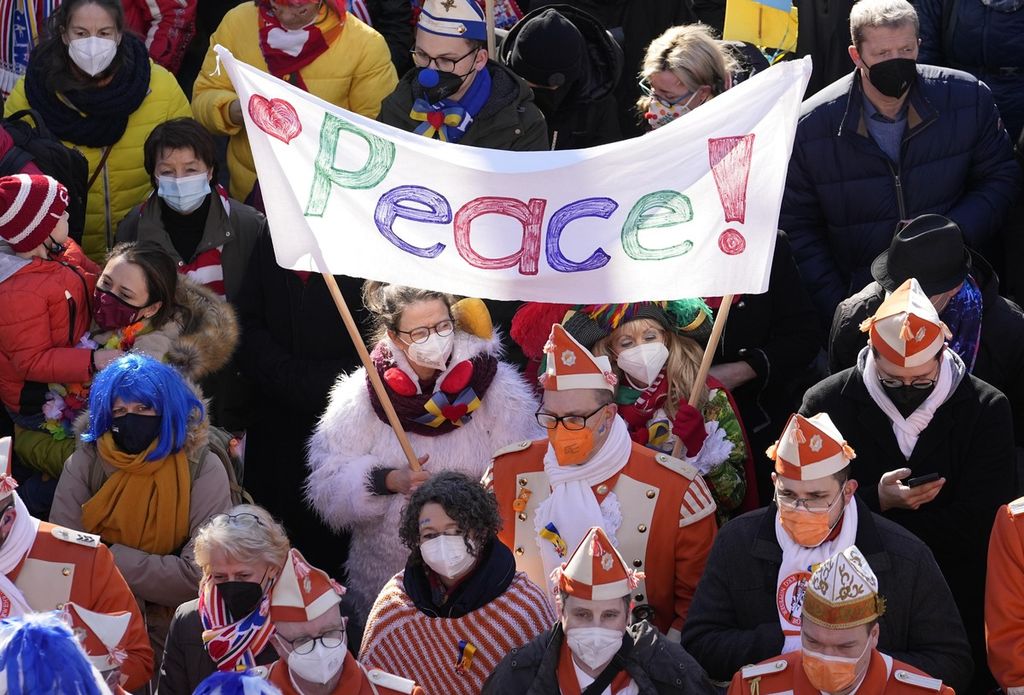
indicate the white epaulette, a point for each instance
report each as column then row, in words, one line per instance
column 1016, row 508
column 77, row 537
column 680, row 466
column 513, row 448
column 925, row 682
column 390, row 681
column 756, row 670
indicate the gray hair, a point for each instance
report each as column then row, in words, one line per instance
column 870, row 14
column 245, row 533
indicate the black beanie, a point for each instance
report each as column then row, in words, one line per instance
column 549, row 50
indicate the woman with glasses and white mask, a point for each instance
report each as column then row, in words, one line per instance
column 241, row 553
column 683, row 68
column 457, row 400
column 459, row 580
column 313, row 44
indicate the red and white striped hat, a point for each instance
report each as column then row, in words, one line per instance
column 596, row 571
column 30, row 207
column 810, row 448
column 906, row 329
column 303, row 592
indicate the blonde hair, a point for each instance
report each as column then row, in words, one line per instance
column 691, row 53
column 684, row 356
column 243, row 540
column 871, row 14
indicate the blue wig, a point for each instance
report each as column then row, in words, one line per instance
column 138, row 378
column 39, row 654
column 235, row 683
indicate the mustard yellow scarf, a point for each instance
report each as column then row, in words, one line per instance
column 144, row 504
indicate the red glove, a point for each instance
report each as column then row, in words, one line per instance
column 689, row 427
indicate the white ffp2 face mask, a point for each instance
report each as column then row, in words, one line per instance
column 319, row 665
column 594, row 646
column 92, row 54
column 643, row 362
column 447, row 555
column 434, row 351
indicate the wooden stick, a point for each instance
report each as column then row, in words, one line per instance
column 705, row 363
column 371, row 371
column 491, row 44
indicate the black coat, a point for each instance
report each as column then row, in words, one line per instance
column 969, row 442
column 657, row 666
column 292, row 349
column 1000, row 359
column 733, row 620
column 778, row 335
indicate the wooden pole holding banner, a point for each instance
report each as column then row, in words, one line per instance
column 705, row 363
column 489, row 13
column 371, row 371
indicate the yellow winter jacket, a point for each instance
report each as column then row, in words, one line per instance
column 355, row 73
column 123, row 184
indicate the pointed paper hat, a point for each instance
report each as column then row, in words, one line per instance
column 810, row 448
column 303, row 592
column 572, row 366
column 906, row 329
column 843, row 592
column 461, row 19
column 595, row 571
column 7, row 481
column 100, row 634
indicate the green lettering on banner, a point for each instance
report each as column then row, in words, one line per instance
column 377, row 166
column 654, row 211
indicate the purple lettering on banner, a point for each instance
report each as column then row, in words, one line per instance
column 392, row 205
column 588, row 207
column 531, row 216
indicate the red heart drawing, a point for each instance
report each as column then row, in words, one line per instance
column 454, row 413
column 217, row 649
column 275, row 117
column 435, row 118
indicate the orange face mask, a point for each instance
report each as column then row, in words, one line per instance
column 806, row 528
column 830, row 674
column 571, row 447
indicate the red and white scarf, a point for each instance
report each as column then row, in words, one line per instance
column 287, row 51
column 233, row 644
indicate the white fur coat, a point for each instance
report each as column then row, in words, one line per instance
column 350, row 441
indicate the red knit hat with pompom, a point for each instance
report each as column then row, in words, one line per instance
column 30, row 207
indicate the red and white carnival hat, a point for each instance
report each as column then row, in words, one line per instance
column 572, row 366
column 906, row 329
column 303, row 592
column 595, row 571
column 100, row 634
column 810, row 448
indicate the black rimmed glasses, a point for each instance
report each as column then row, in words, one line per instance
column 421, row 60
column 422, row 333
column 569, row 422
column 332, row 639
column 242, row 519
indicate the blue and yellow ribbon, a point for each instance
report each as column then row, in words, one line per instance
column 466, row 653
column 451, row 117
column 550, row 533
column 435, row 415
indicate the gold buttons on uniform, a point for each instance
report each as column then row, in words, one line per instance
column 522, row 516
column 519, row 550
column 638, row 563
column 60, row 606
column 642, row 528
column 66, row 572
column 639, row 597
column 602, row 489
column 651, row 494
column 522, row 482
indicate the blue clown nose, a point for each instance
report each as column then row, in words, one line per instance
column 428, row 77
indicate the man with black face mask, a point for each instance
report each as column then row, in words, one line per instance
column 893, row 140
column 935, row 443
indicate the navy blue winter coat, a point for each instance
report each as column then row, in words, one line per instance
column 981, row 40
column 844, row 196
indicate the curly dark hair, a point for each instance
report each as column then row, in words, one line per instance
column 464, row 499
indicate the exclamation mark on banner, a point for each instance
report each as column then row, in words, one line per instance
column 730, row 165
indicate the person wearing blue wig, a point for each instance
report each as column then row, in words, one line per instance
column 39, row 654
column 144, row 479
column 235, row 683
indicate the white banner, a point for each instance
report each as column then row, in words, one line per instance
column 688, row 210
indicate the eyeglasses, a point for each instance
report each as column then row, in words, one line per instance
column 332, row 639
column 649, row 91
column 569, row 422
column 420, row 335
column 811, row 505
column 917, row 383
column 422, row 60
column 243, row 519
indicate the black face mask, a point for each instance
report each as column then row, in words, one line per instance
column 893, row 77
column 907, row 399
column 549, row 100
column 240, row 598
column 133, row 432
column 434, row 85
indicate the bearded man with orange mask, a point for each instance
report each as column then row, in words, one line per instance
column 655, row 509
column 838, row 652
column 751, row 600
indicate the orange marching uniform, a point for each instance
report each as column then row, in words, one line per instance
column 1004, row 598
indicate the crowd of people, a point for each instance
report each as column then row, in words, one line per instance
column 201, row 490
